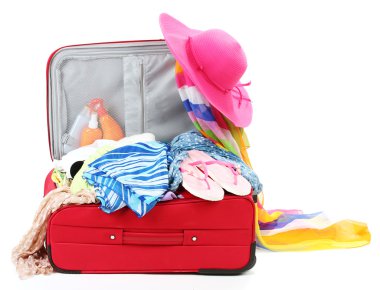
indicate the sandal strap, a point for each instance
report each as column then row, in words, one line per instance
column 230, row 165
column 194, row 164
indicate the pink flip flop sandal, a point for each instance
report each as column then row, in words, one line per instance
column 198, row 183
column 223, row 173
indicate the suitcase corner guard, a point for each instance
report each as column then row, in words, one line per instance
column 250, row 264
column 55, row 268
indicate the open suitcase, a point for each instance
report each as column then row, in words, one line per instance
column 137, row 81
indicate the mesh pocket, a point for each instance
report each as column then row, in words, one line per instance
column 79, row 82
column 138, row 90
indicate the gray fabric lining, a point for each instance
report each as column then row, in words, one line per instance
column 137, row 84
column 83, row 79
column 133, row 105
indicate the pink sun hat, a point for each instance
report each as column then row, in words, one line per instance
column 215, row 62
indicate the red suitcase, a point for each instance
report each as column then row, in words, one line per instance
column 184, row 235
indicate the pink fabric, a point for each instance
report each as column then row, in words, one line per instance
column 215, row 62
column 205, row 171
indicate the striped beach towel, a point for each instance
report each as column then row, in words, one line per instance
column 135, row 176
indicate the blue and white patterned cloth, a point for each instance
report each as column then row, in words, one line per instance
column 194, row 140
column 135, row 176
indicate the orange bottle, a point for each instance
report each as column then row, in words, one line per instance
column 92, row 132
column 111, row 129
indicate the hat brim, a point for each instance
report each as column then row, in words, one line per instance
column 232, row 104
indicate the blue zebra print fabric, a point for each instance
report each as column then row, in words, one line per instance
column 134, row 175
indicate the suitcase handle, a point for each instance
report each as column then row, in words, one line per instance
column 158, row 239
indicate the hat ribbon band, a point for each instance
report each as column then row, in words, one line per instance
column 241, row 98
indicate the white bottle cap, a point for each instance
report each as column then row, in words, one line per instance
column 93, row 124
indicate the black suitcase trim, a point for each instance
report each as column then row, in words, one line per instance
column 250, row 264
column 55, row 267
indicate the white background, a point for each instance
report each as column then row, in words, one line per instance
column 315, row 72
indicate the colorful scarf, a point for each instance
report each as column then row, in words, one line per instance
column 209, row 121
column 276, row 230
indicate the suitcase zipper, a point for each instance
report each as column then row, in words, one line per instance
column 142, row 96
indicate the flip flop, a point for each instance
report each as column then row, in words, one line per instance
column 223, row 173
column 198, row 183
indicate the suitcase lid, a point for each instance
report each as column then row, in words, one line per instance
column 135, row 79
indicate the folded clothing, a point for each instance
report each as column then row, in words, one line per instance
column 170, row 195
column 136, row 176
column 90, row 154
column 79, row 154
column 185, row 142
column 60, row 178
